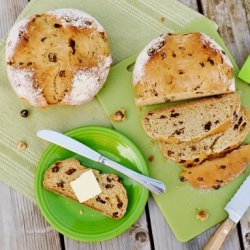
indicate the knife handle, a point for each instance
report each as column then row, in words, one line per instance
column 220, row 235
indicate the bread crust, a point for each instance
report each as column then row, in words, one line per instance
column 177, row 67
column 218, row 172
column 60, row 57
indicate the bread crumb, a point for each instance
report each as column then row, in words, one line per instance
column 22, row 146
column 202, row 215
column 162, row 19
column 81, row 211
column 119, row 115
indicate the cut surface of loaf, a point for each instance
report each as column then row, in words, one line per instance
column 112, row 201
column 57, row 57
column 192, row 121
column 177, row 67
column 218, row 172
column 193, row 153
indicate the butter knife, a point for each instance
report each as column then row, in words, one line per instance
column 155, row 186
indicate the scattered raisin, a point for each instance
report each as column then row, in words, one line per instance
column 29, row 63
column 170, row 152
column 236, row 126
column 174, row 114
column 181, row 72
column 200, row 178
column 55, row 169
column 72, row 44
column 24, row 113
column 119, row 205
column 196, row 160
column 62, row 73
column 52, row 57
column 189, row 165
column 60, row 184
column 193, row 148
column 202, row 64
column 70, row 171
column 87, row 22
column 173, row 54
column 163, row 55
column 183, row 179
column 151, row 51
column 109, row 186
column 216, row 122
column 57, row 25
column 59, row 163
column 210, row 61
column 216, row 187
column 219, row 181
column 9, row 62
column 43, row 39
column 98, row 199
column 115, row 215
column 182, row 161
column 240, row 120
column 207, row 126
column 162, row 116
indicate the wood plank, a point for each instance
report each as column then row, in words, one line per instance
column 9, row 10
column 136, row 238
column 231, row 18
column 245, row 229
column 21, row 224
column 190, row 3
column 164, row 238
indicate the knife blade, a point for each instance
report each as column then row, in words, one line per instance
column 155, row 186
column 236, row 208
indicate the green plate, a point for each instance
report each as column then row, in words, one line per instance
column 80, row 222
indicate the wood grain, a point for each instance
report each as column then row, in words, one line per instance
column 231, row 18
column 21, row 224
column 136, row 238
column 164, row 238
column 9, row 10
column 245, row 230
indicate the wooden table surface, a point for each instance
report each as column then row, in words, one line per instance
column 23, row 227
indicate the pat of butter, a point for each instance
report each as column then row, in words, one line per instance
column 86, row 186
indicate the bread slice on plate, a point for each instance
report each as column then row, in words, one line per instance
column 111, row 202
column 181, row 66
column 215, row 173
column 193, row 153
column 192, row 121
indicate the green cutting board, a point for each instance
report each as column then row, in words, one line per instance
column 180, row 203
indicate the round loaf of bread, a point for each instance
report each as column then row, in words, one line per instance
column 177, row 67
column 58, row 57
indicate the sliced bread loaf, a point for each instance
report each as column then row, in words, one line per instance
column 218, row 172
column 181, row 66
column 111, row 202
column 193, row 153
column 192, row 121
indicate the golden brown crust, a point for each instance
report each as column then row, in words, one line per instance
column 54, row 54
column 179, row 67
column 220, row 171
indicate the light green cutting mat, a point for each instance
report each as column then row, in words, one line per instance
column 180, row 203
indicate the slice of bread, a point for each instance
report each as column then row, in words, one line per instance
column 181, row 66
column 218, row 172
column 111, row 202
column 193, row 153
column 192, row 121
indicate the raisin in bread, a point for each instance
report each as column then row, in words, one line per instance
column 111, row 202
column 218, row 172
column 58, row 57
column 192, row 121
column 178, row 67
column 193, row 153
